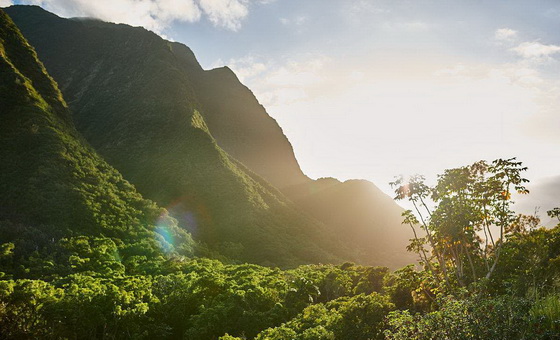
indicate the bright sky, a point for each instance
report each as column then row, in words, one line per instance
column 372, row 89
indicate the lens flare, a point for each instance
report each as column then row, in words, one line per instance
column 185, row 217
column 164, row 227
column 176, row 216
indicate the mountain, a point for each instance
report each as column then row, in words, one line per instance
column 133, row 101
column 199, row 143
column 243, row 128
column 85, row 54
column 53, row 186
column 361, row 214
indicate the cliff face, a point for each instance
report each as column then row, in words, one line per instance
column 244, row 129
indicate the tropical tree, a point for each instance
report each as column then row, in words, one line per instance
column 461, row 223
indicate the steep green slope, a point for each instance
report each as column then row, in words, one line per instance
column 239, row 123
column 137, row 108
column 364, row 218
column 52, row 185
column 77, row 54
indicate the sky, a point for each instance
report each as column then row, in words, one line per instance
column 376, row 88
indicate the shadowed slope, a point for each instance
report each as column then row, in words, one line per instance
column 52, row 185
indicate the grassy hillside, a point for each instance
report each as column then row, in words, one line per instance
column 84, row 256
column 54, row 189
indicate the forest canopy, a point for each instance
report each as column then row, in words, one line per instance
column 88, row 291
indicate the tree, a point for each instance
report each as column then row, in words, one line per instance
column 554, row 213
column 465, row 217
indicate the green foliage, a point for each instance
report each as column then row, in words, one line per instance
column 358, row 317
column 530, row 264
column 83, row 255
column 554, row 213
column 64, row 209
column 404, row 286
column 479, row 317
column 546, row 313
column 468, row 201
column 202, row 299
column 105, row 263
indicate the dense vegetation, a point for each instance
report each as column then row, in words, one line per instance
column 205, row 299
column 198, row 299
column 83, row 255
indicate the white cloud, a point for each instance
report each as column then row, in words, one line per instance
column 281, row 83
column 293, row 81
column 505, row 34
column 542, row 121
column 170, row 10
column 535, row 71
column 482, row 111
column 379, row 118
column 521, row 74
column 536, row 51
column 155, row 15
column 226, row 13
column 6, row 3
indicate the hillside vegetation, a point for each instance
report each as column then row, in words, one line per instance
column 57, row 195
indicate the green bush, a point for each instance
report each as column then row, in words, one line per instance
column 481, row 317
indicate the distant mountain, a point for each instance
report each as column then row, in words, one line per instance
column 361, row 214
column 52, row 184
column 199, row 143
